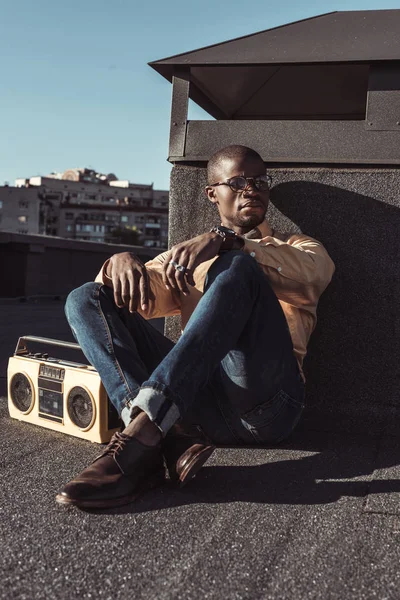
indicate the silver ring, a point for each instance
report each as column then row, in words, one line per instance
column 177, row 267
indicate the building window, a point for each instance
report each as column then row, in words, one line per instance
column 23, row 219
column 152, row 232
column 23, row 204
column 1, row 203
column 124, row 219
column 69, row 228
column 69, row 215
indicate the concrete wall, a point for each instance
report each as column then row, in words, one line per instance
column 42, row 265
column 353, row 374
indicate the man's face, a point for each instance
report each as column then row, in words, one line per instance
column 243, row 210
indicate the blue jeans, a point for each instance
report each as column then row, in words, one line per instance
column 233, row 371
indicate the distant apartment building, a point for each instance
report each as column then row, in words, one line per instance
column 19, row 210
column 84, row 205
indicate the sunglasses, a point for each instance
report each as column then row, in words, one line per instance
column 262, row 183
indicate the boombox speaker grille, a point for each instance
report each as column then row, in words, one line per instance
column 21, row 392
column 80, row 407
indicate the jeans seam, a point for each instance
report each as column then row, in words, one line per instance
column 127, row 401
column 111, row 347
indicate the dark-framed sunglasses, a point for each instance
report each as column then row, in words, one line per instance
column 262, row 183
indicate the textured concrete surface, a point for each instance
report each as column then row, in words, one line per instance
column 315, row 518
column 353, row 360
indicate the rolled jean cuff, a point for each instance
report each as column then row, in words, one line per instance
column 158, row 406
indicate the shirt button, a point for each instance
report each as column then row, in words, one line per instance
column 279, row 269
column 252, row 254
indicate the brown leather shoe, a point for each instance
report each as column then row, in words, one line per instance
column 124, row 470
column 186, row 448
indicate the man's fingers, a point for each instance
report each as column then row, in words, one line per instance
column 189, row 279
column 131, row 291
column 150, row 291
column 181, row 282
column 164, row 270
column 136, row 291
column 189, row 271
column 180, row 275
column 170, row 273
column 144, row 289
column 125, row 290
column 117, row 291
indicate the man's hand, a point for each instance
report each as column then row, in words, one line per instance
column 130, row 281
column 189, row 255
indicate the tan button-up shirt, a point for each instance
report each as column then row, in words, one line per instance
column 297, row 266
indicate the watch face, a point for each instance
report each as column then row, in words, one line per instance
column 226, row 230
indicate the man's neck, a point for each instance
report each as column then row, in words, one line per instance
column 262, row 230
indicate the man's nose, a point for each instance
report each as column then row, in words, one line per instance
column 250, row 188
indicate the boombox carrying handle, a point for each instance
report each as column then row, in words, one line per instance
column 21, row 347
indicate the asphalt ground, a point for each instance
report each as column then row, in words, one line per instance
column 317, row 517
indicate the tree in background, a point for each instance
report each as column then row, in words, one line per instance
column 125, row 235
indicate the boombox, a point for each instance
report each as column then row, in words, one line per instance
column 62, row 395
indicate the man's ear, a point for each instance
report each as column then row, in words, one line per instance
column 211, row 194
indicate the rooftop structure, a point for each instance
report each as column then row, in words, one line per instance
column 321, row 90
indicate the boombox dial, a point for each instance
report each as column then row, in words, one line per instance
column 21, row 392
column 81, row 408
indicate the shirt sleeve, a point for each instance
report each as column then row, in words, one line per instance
column 165, row 303
column 300, row 268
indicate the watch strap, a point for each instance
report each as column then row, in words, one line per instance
column 230, row 239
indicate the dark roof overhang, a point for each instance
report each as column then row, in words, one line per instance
column 331, row 52
column 325, row 89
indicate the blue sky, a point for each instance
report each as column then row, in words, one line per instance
column 76, row 88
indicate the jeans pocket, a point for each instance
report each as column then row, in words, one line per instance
column 273, row 420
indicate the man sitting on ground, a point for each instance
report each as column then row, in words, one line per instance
column 247, row 297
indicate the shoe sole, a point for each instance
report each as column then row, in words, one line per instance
column 194, row 465
column 150, row 483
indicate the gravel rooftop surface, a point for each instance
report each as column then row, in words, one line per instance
column 317, row 517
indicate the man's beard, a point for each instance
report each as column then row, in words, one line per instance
column 248, row 221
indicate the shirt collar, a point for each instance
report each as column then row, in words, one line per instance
column 266, row 229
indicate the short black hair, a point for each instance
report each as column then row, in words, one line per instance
column 230, row 152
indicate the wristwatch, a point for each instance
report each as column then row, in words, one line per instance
column 230, row 239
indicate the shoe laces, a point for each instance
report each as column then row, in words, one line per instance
column 117, row 443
